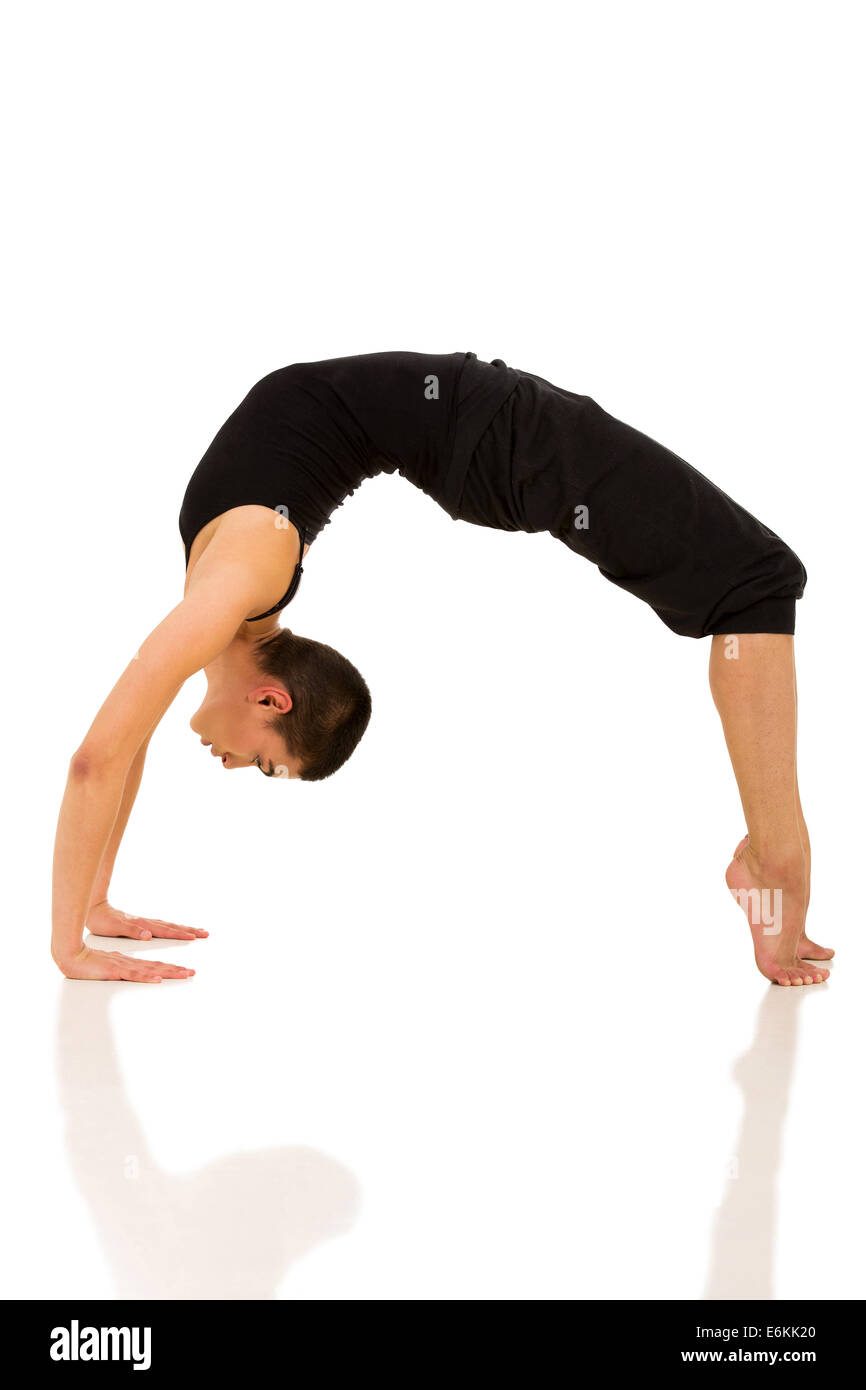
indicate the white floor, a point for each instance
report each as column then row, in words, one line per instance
column 508, row 1131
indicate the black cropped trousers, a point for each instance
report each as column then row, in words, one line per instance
column 552, row 460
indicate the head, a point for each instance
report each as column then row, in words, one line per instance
column 289, row 705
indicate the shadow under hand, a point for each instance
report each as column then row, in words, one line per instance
column 228, row 1231
column 741, row 1260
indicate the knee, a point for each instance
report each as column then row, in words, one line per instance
column 795, row 571
column 790, row 569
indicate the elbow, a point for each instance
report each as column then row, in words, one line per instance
column 88, row 762
column 81, row 765
column 94, row 760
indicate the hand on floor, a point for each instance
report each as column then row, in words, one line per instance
column 105, row 920
column 111, row 965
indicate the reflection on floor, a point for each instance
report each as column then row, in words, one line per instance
column 229, row 1231
column 741, row 1260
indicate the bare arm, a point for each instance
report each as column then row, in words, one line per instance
column 88, row 812
column 102, row 918
column 93, row 814
column 99, row 893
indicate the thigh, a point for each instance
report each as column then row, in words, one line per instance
column 652, row 523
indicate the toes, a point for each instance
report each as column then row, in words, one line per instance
column 814, row 975
column 801, row 975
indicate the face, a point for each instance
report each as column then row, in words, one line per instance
column 234, row 727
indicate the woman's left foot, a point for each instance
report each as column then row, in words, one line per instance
column 807, row 949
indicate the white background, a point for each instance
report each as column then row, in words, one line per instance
column 477, row 1017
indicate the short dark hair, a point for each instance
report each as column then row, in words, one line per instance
column 331, row 703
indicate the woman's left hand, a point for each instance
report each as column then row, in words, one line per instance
column 105, row 920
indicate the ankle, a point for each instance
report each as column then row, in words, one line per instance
column 780, row 863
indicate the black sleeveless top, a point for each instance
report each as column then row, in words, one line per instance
column 307, row 435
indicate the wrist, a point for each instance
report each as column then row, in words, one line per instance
column 62, row 952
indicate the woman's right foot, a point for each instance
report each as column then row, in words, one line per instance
column 774, row 905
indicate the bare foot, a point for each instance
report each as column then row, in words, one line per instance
column 806, row 949
column 775, row 907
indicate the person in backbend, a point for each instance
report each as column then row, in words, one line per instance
column 495, row 446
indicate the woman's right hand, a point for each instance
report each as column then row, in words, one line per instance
column 113, row 965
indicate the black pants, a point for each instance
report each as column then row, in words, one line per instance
column 552, row 460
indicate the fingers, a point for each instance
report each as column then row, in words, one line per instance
column 146, row 972
column 173, row 929
column 143, row 928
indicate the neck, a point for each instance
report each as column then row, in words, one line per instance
column 236, row 663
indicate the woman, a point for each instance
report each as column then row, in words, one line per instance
column 495, row 446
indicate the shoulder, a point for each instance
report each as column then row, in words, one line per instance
column 295, row 372
column 278, row 385
column 251, row 549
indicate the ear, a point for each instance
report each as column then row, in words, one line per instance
column 273, row 696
